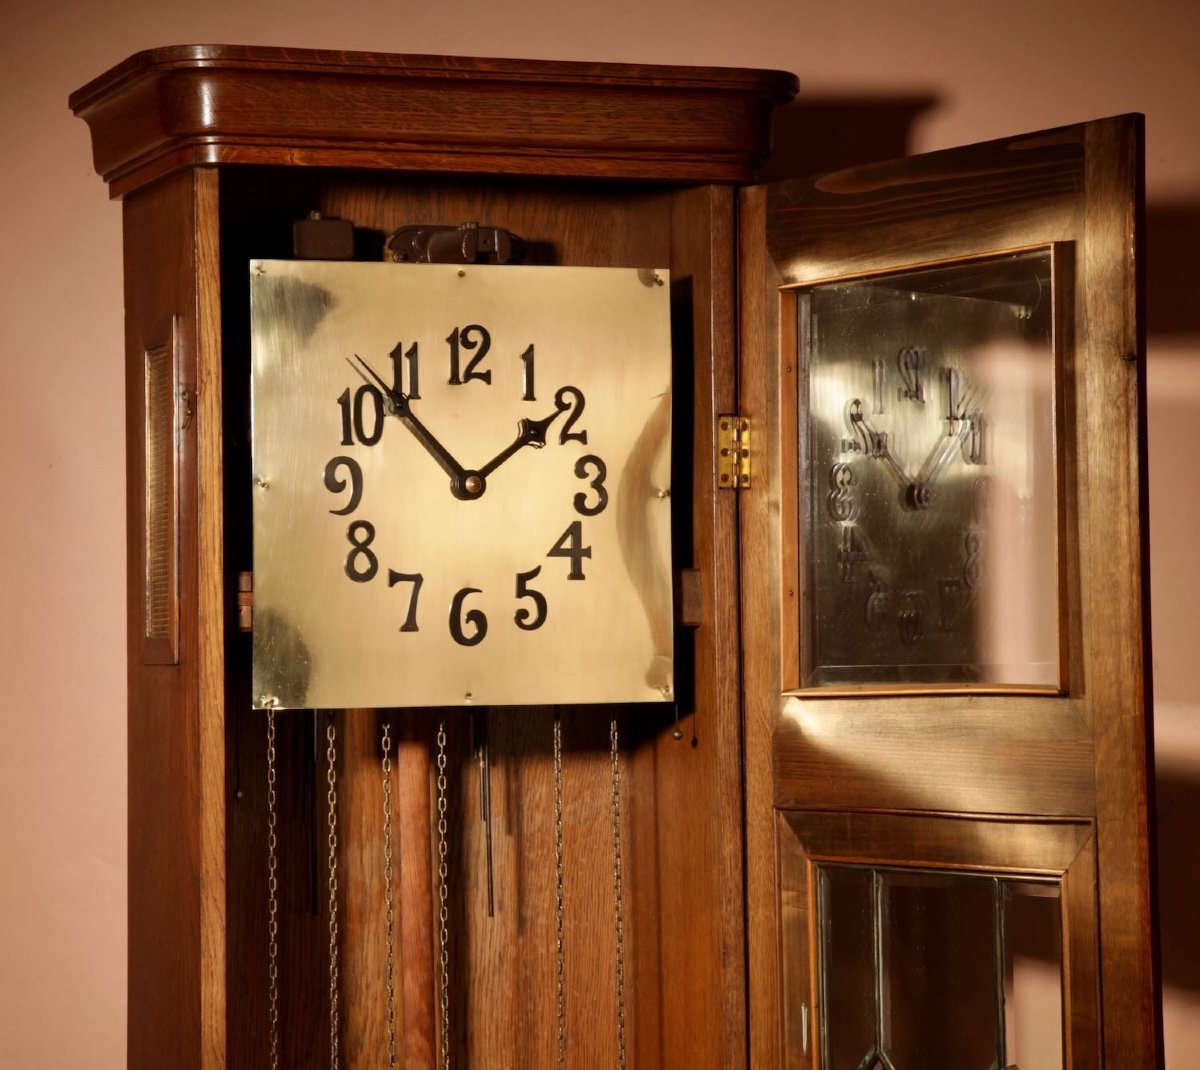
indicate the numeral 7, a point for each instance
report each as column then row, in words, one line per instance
column 416, row 579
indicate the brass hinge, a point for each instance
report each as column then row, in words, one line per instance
column 245, row 601
column 733, row 452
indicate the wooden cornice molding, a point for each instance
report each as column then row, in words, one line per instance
column 167, row 109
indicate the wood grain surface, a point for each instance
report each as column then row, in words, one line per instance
column 167, row 109
column 859, row 754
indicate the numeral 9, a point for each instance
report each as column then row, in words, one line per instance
column 336, row 485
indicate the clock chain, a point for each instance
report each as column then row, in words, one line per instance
column 272, row 899
column 443, row 893
column 618, row 906
column 560, row 988
column 388, row 893
column 331, row 779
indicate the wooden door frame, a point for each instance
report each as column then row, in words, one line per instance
column 1080, row 185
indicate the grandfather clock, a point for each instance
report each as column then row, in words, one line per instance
column 587, row 610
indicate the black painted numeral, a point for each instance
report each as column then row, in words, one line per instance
column 416, row 579
column 406, row 380
column 354, row 421
column 526, row 359
column 570, row 545
column 361, row 563
column 569, row 399
column 335, row 485
column 582, row 466
column 526, row 620
column 473, row 617
column 469, row 339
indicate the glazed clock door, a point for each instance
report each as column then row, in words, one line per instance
column 943, row 612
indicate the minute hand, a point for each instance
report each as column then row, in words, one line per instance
column 529, row 433
column 400, row 407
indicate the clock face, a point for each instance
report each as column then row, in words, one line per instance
column 461, row 485
column 932, row 477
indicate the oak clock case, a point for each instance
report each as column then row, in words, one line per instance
column 461, row 479
column 808, row 728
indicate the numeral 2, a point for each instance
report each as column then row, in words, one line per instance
column 569, row 399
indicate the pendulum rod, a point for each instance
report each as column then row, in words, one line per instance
column 443, row 894
column 272, row 899
column 331, row 779
column 480, row 731
column 618, row 906
column 560, row 987
column 388, row 894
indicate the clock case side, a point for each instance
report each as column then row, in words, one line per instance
column 193, row 217
column 1082, row 757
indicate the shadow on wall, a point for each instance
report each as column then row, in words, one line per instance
column 818, row 135
column 1178, row 813
column 1172, row 260
column 821, row 134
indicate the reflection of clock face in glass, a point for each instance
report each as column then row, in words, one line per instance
column 462, row 486
column 932, row 477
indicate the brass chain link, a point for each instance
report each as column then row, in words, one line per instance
column 443, row 894
column 618, row 906
column 331, row 779
column 272, row 898
column 388, row 896
column 560, row 988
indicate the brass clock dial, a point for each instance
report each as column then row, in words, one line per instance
column 461, row 485
column 932, row 476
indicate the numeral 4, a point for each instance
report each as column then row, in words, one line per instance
column 570, row 545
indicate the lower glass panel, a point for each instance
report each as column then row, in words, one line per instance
column 934, row 969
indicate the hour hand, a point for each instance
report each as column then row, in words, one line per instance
column 529, row 433
column 875, row 443
column 398, row 405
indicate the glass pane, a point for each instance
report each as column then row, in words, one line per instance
column 846, row 910
column 932, row 475
column 1033, row 976
column 938, row 969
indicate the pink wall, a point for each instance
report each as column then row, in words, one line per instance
column 989, row 70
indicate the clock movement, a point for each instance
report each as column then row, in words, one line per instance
column 588, row 609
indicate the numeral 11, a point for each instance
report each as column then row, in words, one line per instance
column 399, row 378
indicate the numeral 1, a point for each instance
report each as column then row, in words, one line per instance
column 526, row 358
column 911, row 361
column 852, row 553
